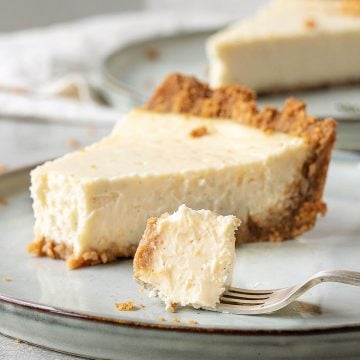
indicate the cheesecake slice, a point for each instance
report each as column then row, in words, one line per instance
column 289, row 45
column 187, row 258
column 208, row 149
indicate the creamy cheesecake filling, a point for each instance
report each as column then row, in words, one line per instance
column 100, row 198
column 187, row 257
column 59, row 207
column 289, row 44
column 193, row 145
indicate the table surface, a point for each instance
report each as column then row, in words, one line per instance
column 27, row 142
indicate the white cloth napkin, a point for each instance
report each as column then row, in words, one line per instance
column 32, row 61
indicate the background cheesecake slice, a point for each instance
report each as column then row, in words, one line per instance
column 187, row 258
column 189, row 145
column 290, row 44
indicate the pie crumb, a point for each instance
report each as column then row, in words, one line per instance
column 172, row 308
column 7, row 279
column 3, row 168
column 160, row 318
column 310, row 23
column 126, row 306
column 199, row 132
column 18, row 341
column 142, row 305
column 192, row 322
column 175, row 320
column 73, row 143
column 152, row 53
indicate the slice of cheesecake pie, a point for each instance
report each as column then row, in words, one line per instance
column 208, row 149
column 289, row 45
column 187, row 258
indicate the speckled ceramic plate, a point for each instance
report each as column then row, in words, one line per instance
column 131, row 73
column 74, row 311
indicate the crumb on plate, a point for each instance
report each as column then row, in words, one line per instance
column 171, row 308
column 152, row 53
column 3, row 201
column 126, row 306
column 73, row 143
column 3, row 168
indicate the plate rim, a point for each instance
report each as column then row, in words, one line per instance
column 343, row 157
column 110, row 83
column 114, row 84
column 57, row 311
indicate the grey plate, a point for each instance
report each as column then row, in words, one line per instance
column 131, row 73
column 74, row 311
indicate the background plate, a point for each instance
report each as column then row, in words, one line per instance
column 74, row 310
column 131, row 73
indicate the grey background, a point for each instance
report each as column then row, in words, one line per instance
column 22, row 14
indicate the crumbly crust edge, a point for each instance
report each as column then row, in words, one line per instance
column 144, row 255
column 186, row 95
column 43, row 246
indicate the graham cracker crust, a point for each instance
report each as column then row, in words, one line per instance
column 144, row 255
column 185, row 94
column 148, row 243
column 42, row 246
column 350, row 7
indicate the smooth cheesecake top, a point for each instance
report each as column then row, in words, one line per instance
column 291, row 18
column 147, row 143
column 186, row 126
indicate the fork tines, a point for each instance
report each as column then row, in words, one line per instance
column 236, row 296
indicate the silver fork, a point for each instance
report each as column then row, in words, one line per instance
column 252, row 302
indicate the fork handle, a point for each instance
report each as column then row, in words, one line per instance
column 341, row 276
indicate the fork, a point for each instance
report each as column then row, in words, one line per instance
column 252, row 302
